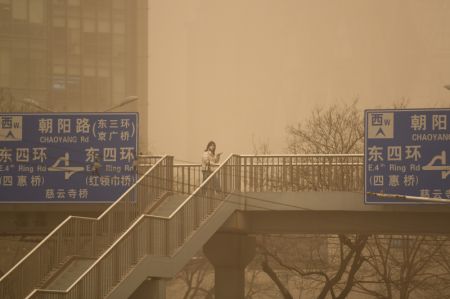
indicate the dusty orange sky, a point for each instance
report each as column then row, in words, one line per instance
column 230, row 70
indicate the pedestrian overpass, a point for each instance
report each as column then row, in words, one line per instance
column 168, row 215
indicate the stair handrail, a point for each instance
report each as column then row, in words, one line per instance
column 145, row 222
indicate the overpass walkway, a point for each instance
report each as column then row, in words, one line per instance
column 167, row 216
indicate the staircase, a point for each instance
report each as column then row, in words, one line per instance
column 78, row 241
column 156, row 245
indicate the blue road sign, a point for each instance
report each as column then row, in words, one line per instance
column 67, row 158
column 407, row 153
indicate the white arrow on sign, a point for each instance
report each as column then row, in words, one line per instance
column 68, row 170
column 443, row 167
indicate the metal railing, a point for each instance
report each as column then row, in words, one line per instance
column 87, row 237
column 164, row 236
column 268, row 173
column 144, row 162
column 152, row 235
column 273, row 173
column 187, row 177
column 148, row 160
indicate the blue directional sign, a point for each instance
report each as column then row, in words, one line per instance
column 407, row 152
column 67, row 158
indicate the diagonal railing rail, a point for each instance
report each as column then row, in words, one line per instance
column 186, row 176
column 144, row 163
column 87, row 237
column 164, row 236
column 148, row 160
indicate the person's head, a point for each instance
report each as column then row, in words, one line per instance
column 211, row 147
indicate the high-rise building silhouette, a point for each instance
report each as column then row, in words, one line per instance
column 76, row 55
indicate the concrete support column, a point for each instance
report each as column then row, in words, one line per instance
column 229, row 254
column 151, row 288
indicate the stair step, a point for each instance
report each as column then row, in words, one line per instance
column 69, row 273
column 169, row 205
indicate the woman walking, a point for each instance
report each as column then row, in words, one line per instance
column 209, row 159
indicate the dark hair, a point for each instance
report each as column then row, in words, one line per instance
column 209, row 144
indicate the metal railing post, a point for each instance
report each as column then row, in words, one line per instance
column 167, row 236
column 169, row 174
column 237, row 173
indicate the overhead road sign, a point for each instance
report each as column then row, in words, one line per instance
column 407, row 156
column 67, row 158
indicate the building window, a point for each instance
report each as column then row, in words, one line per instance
column 74, row 44
column 73, row 84
column 59, row 8
column 104, row 9
column 4, row 67
column 88, row 8
column 59, row 22
column 89, row 86
column 37, row 11
column 5, row 16
column 118, row 48
column 104, row 89
column 118, row 81
column 20, row 70
column 88, row 71
column 58, row 69
column 19, row 10
column 38, row 69
column 74, row 23
column 59, row 51
column 74, row 70
column 119, row 27
column 104, row 26
column 58, row 83
column 88, row 25
column 73, row 9
column 20, row 16
column 89, row 47
column 74, row 2
column 104, row 47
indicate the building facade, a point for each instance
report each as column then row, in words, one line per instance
column 76, row 55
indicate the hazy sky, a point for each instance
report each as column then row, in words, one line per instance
column 230, row 70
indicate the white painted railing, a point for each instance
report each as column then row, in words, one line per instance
column 152, row 235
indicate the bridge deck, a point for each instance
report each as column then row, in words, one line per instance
column 325, row 201
column 332, row 212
